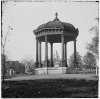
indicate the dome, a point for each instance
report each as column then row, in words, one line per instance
column 56, row 23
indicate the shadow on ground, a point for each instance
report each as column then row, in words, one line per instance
column 50, row 88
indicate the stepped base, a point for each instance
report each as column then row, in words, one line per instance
column 55, row 70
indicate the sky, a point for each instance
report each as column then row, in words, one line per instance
column 24, row 17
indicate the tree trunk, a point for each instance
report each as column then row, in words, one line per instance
column 97, row 63
column 3, row 68
column 96, row 71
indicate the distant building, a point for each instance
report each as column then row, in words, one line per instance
column 14, row 67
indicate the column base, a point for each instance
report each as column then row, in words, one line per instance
column 40, row 65
column 63, row 63
column 66, row 65
column 46, row 64
column 37, row 64
column 51, row 64
column 75, row 64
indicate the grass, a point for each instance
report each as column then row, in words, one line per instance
column 50, row 88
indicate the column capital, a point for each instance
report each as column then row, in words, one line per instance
column 36, row 38
column 46, row 35
column 40, row 41
column 51, row 43
column 65, row 42
column 62, row 34
column 74, row 39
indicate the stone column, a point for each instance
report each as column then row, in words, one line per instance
column 37, row 63
column 62, row 36
column 63, row 61
column 51, row 54
column 40, row 54
column 65, row 51
column 75, row 61
column 46, row 51
column 65, row 57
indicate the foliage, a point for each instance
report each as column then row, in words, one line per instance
column 29, row 63
column 18, row 67
column 93, row 47
column 89, row 60
column 78, row 59
column 14, row 65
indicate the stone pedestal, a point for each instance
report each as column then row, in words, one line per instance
column 56, row 64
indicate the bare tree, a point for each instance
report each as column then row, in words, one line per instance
column 29, row 62
column 3, row 44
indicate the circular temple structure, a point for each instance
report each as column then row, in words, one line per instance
column 55, row 32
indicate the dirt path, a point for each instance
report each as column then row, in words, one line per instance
column 60, row 76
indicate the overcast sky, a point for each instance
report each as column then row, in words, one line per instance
column 24, row 17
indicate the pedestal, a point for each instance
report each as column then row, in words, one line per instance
column 57, row 64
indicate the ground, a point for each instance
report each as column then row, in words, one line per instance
column 51, row 86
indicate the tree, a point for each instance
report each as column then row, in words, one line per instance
column 79, row 61
column 29, row 63
column 14, row 67
column 18, row 67
column 3, row 58
column 3, row 43
column 93, row 47
column 89, row 60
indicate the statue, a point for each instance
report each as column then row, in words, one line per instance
column 57, row 63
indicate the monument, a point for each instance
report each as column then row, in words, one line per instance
column 52, row 32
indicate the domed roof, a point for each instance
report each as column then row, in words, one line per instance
column 56, row 23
